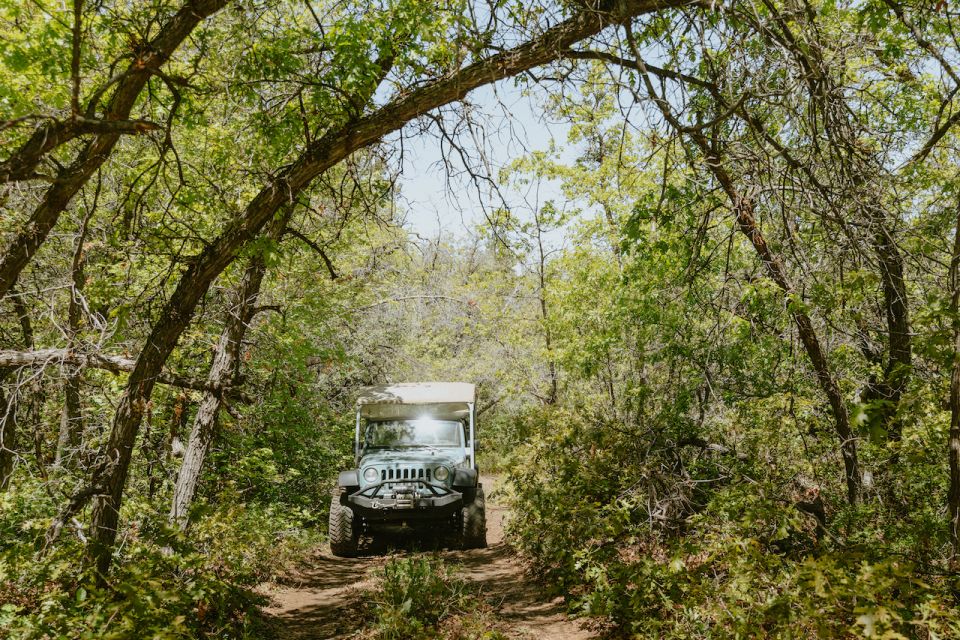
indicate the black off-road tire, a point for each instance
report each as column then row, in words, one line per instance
column 344, row 539
column 474, row 534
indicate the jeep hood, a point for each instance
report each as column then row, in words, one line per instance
column 415, row 456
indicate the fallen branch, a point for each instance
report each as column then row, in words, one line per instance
column 113, row 364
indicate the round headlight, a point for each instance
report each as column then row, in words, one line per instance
column 370, row 474
column 441, row 473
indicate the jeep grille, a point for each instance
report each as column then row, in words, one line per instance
column 407, row 473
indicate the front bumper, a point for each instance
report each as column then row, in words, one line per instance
column 404, row 500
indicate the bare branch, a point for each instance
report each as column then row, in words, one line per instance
column 318, row 249
column 400, row 299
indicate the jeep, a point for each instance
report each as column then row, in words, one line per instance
column 415, row 456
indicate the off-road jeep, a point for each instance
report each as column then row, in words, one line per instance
column 415, row 454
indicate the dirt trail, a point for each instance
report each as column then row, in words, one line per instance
column 318, row 601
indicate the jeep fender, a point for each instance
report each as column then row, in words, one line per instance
column 465, row 478
column 349, row 479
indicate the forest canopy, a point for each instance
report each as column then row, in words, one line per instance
column 714, row 325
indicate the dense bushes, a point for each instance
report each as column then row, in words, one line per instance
column 166, row 585
column 681, row 543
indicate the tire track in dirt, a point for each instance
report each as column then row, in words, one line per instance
column 319, row 600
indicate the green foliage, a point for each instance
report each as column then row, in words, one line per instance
column 414, row 595
column 421, row 596
column 167, row 584
column 742, row 560
column 672, row 454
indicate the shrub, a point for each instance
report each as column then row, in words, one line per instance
column 165, row 584
column 422, row 596
column 739, row 559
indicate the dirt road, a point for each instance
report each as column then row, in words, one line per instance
column 318, row 601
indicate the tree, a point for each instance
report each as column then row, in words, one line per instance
column 107, row 132
column 224, row 369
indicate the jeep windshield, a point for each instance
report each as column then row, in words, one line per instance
column 424, row 432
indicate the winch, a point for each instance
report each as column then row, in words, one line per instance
column 405, row 497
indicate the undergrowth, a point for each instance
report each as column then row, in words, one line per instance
column 423, row 597
column 165, row 585
column 651, row 554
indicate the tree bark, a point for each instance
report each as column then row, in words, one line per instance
column 223, row 369
column 22, row 163
column 8, row 405
column 746, row 222
column 859, row 166
column 110, row 475
column 71, row 418
column 897, row 371
column 71, row 179
column 953, row 438
column 551, row 398
column 8, row 433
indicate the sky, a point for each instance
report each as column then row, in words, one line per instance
column 436, row 200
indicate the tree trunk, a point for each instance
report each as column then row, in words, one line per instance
column 8, row 405
column 899, row 363
column 746, row 222
column 953, row 439
column 71, row 179
column 110, row 475
column 8, row 433
column 226, row 362
column 858, row 166
column 545, row 316
column 113, row 364
column 71, row 419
